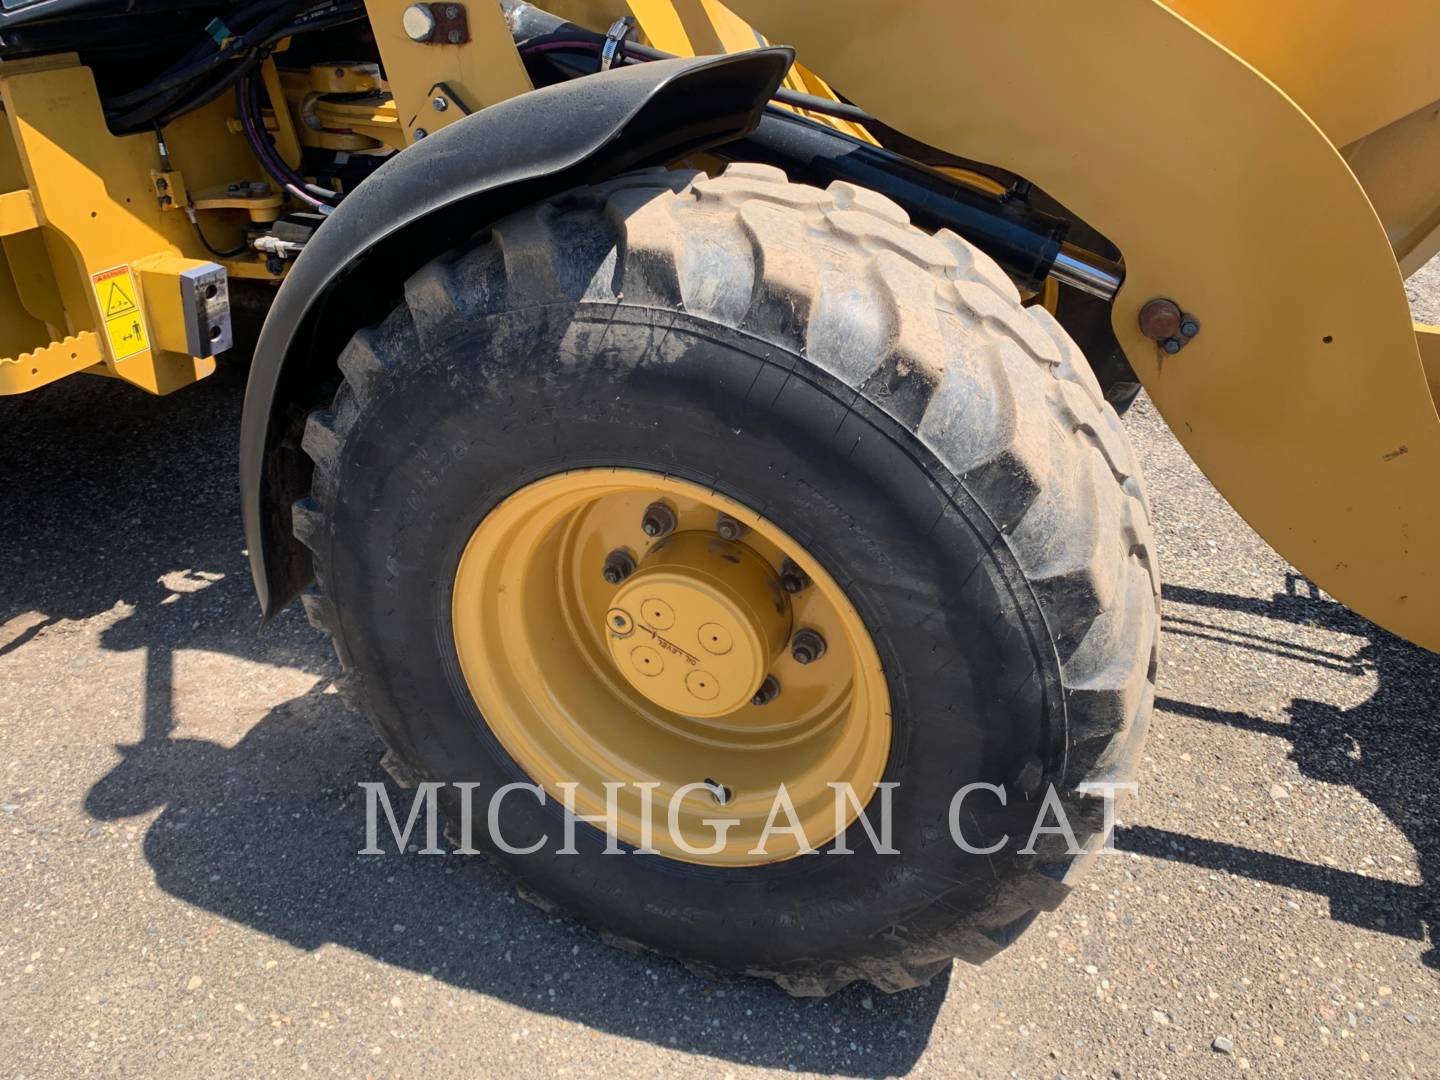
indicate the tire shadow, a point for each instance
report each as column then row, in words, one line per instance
column 131, row 504
column 1387, row 749
column 265, row 833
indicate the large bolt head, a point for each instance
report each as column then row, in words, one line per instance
column 418, row 21
column 1160, row 319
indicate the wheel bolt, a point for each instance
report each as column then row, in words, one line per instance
column 807, row 646
column 768, row 692
column 619, row 565
column 659, row 520
column 792, row 578
column 729, row 528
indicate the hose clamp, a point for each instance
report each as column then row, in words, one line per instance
column 615, row 37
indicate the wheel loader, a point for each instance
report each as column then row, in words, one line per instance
column 675, row 404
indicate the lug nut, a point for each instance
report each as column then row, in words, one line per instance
column 807, row 646
column 729, row 528
column 792, row 578
column 619, row 565
column 768, row 692
column 659, row 520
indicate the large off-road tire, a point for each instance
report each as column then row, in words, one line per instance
column 881, row 396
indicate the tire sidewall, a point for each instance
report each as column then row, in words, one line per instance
column 974, row 681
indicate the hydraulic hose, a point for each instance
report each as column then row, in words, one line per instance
column 1028, row 243
column 251, row 121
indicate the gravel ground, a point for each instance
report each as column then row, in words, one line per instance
column 179, row 814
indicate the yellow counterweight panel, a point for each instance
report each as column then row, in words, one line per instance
column 1303, row 399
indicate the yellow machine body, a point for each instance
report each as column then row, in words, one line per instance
column 1270, row 167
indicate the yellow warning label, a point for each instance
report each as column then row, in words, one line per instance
column 119, row 306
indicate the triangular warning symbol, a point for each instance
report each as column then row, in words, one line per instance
column 118, row 300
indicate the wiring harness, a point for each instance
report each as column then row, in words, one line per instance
column 234, row 45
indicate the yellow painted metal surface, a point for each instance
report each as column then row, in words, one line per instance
column 344, row 78
column 480, row 72
column 697, row 627
column 31, row 370
column 1429, row 338
column 702, row 27
column 1399, row 167
column 1368, row 77
column 287, row 140
column 374, row 119
column 95, row 209
column 344, row 108
column 558, row 659
column 1353, row 67
column 1303, row 399
column 17, row 213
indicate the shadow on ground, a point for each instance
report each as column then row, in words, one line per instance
column 118, row 491
column 1387, row 749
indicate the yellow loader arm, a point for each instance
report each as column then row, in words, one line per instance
column 1304, row 398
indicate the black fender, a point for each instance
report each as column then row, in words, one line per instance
column 417, row 205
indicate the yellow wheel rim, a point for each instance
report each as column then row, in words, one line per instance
column 697, row 672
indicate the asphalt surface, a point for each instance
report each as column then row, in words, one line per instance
column 179, row 816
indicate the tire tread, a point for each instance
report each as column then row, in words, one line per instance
column 928, row 329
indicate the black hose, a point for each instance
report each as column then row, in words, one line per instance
column 794, row 98
column 633, row 53
column 222, row 84
column 1021, row 239
column 175, row 93
column 199, row 67
column 219, row 254
column 251, row 121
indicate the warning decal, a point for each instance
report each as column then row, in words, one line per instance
column 124, row 324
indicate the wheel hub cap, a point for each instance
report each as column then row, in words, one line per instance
column 697, row 626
